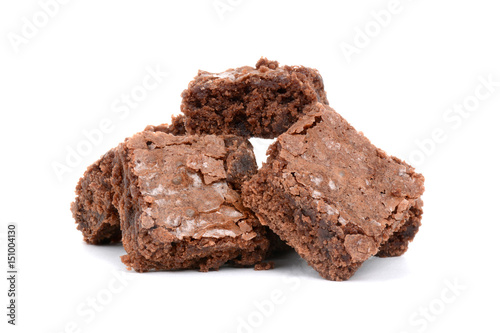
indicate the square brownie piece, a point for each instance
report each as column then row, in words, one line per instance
column 251, row 102
column 179, row 203
column 335, row 197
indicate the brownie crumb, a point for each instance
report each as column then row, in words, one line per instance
column 264, row 266
column 176, row 126
column 263, row 62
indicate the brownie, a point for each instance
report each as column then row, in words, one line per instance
column 94, row 213
column 179, row 203
column 335, row 197
column 250, row 102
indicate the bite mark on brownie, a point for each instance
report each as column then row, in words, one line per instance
column 250, row 102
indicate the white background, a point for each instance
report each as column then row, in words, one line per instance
column 70, row 74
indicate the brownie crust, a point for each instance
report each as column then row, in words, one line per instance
column 334, row 197
column 250, row 102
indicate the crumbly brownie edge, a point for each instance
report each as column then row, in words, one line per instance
column 93, row 211
column 176, row 126
column 399, row 241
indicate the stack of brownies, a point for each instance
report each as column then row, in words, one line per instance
column 189, row 195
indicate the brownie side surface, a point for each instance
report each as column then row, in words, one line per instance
column 93, row 211
column 333, row 196
column 179, row 205
column 251, row 102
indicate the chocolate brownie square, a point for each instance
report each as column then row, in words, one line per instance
column 251, row 102
column 179, row 203
column 335, row 197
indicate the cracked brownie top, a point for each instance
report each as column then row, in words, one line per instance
column 188, row 184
